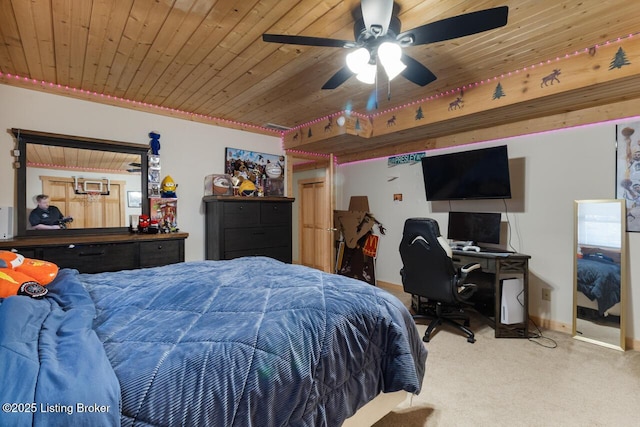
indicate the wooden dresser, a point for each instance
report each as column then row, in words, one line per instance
column 105, row 252
column 248, row 226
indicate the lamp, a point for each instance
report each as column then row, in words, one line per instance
column 358, row 62
column 367, row 74
column 390, row 54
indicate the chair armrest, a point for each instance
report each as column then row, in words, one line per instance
column 468, row 268
column 465, row 290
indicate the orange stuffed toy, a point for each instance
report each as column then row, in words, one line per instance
column 24, row 276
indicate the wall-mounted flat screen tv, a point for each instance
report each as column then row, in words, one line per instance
column 473, row 174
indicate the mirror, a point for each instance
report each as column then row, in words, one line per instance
column 600, row 272
column 99, row 183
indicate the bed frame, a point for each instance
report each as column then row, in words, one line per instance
column 373, row 411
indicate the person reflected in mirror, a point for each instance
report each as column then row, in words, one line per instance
column 46, row 216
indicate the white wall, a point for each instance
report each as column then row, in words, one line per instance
column 189, row 150
column 557, row 168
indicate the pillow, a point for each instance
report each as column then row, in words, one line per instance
column 613, row 254
column 24, row 276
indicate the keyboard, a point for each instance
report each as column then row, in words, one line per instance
column 496, row 251
column 484, row 250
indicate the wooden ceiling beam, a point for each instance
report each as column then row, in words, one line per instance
column 535, row 91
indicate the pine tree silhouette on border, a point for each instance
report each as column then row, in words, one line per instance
column 419, row 114
column 619, row 60
column 499, row 92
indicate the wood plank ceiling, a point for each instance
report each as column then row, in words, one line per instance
column 207, row 57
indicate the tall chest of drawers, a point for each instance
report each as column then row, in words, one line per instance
column 248, row 226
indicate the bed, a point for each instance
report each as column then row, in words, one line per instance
column 598, row 282
column 251, row 341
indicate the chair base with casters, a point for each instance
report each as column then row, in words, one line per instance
column 442, row 315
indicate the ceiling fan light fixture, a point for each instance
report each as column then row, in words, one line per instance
column 358, row 60
column 390, row 55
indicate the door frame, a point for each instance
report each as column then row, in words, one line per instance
column 299, row 162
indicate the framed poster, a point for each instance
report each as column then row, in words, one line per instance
column 134, row 199
column 245, row 163
column 628, row 171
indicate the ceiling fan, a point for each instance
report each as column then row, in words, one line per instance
column 135, row 167
column 378, row 37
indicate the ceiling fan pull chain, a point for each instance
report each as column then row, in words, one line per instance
column 376, row 85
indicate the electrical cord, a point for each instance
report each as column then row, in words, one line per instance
column 506, row 215
column 545, row 341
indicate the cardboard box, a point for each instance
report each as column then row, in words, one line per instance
column 165, row 211
column 359, row 204
column 218, row 185
column 352, row 225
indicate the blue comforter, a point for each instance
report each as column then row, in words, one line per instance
column 53, row 369
column 599, row 279
column 248, row 342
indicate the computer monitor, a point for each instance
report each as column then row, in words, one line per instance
column 475, row 227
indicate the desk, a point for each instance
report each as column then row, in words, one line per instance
column 499, row 266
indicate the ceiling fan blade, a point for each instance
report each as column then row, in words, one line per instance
column 377, row 14
column 338, row 78
column 456, row 26
column 416, row 72
column 306, row 41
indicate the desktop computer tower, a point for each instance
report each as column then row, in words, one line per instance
column 512, row 310
column 6, row 222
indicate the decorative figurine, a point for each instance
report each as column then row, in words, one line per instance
column 168, row 187
column 154, row 143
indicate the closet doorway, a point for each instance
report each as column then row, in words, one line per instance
column 316, row 202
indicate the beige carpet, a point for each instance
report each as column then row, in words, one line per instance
column 517, row 382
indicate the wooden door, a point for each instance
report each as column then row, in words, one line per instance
column 315, row 219
column 98, row 212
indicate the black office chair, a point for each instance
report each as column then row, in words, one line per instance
column 428, row 273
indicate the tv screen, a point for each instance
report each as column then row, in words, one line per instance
column 473, row 174
column 474, row 227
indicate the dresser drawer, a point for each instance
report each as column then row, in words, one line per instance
column 93, row 258
column 241, row 214
column 258, row 237
column 162, row 252
column 275, row 213
column 461, row 260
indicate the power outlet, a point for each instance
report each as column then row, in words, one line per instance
column 546, row 294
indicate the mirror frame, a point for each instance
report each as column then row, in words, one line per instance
column 623, row 274
column 24, row 137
